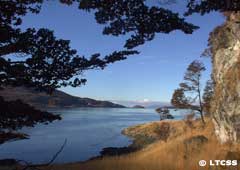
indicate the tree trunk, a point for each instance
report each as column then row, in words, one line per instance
column 200, row 103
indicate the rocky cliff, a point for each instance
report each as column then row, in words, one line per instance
column 225, row 47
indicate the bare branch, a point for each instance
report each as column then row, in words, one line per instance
column 36, row 166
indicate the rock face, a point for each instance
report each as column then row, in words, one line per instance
column 225, row 107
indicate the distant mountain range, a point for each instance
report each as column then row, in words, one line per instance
column 58, row 99
column 148, row 104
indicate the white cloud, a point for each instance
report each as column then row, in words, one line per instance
column 146, row 100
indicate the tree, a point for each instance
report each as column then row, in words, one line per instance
column 36, row 58
column 164, row 113
column 16, row 114
column 136, row 19
column 207, row 95
column 188, row 95
column 47, row 63
column 40, row 59
column 207, row 6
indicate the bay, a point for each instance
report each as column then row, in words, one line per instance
column 87, row 130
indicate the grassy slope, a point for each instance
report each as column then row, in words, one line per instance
column 164, row 154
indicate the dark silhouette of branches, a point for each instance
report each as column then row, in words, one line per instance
column 37, row 58
column 15, row 114
column 207, row 6
column 38, row 166
column 49, row 62
column 56, row 154
column 52, row 63
column 136, row 18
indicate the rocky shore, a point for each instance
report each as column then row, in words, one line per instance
column 141, row 135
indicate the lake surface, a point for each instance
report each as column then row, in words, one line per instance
column 87, row 131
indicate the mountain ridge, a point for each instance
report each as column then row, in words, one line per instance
column 58, row 99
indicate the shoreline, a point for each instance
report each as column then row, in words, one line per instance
column 159, row 140
column 140, row 139
column 157, row 143
column 138, row 143
column 135, row 145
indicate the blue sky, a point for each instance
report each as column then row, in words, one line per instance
column 150, row 76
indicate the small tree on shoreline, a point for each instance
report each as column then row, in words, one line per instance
column 164, row 113
column 188, row 95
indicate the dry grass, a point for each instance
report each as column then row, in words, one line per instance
column 173, row 154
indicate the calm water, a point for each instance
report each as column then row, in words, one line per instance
column 87, row 131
